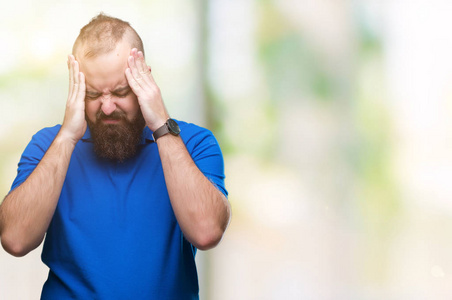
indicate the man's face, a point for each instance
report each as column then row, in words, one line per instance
column 107, row 89
column 112, row 110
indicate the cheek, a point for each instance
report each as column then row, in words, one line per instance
column 129, row 105
column 91, row 109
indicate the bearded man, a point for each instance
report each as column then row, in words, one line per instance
column 123, row 194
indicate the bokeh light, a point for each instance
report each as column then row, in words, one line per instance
column 334, row 118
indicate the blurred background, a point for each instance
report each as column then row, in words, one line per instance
column 334, row 117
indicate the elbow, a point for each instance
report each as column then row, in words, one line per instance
column 209, row 232
column 14, row 246
column 210, row 236
column 208, row 240
column 15, row 249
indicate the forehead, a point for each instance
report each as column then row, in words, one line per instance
column 106, row 72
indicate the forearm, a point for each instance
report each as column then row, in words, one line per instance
column 202, row 211
column 26, row 212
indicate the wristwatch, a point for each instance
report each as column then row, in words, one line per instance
column 169, row 127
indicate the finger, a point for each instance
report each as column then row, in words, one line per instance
column 76, row 71
column 134, row 71
column 138, row 67
column 136, row 87
column 76, row 92
column 71, row 78
column 151, row 79
column 75, row 80
column 143, row 69
column 78, row 98
column 148, row 78
column 148, row 70
column 141, row 64
column 81, row 88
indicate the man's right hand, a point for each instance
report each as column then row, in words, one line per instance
column 74, row 124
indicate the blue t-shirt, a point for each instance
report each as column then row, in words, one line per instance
column 114, row 234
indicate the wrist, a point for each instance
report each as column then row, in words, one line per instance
column 170, row 127
column 158, row 123
column 65, row 138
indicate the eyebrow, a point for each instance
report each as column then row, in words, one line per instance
column 92, row 93
column 121, row 89
column 117, row 91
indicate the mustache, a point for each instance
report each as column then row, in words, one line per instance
column 116, row 115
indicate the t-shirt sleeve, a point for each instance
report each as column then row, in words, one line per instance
column 33, row 154
column 206, row 153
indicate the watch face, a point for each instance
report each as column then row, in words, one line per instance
column 173, row 127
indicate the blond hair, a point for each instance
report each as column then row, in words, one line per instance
column 102, row 34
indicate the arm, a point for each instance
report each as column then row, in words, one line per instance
column 202, row 211
column 26, row 212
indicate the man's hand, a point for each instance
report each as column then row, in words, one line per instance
column 74, row 124
column 143, row 85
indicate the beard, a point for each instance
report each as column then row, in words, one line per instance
column 116, row 141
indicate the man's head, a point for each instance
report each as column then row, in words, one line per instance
column 112, row 110
column 102, row 34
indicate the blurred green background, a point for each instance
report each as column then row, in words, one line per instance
column 334, row 118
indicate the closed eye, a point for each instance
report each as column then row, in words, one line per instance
column 122, row 94
column 91, row 96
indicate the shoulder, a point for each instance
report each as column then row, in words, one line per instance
column 34, row 152
column 194, row 135
column 45, row 136
column 48, row 132
column 205, row 152
column 190, row 128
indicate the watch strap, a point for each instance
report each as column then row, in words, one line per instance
column 160, row 132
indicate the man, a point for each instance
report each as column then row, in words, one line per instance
column 124, row 194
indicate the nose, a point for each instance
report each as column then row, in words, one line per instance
column 108, row 104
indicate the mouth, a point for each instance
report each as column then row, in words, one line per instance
column 110, row 121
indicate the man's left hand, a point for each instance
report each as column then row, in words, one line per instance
column 142, row 83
